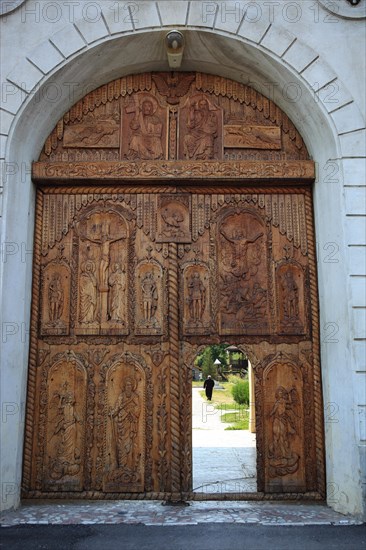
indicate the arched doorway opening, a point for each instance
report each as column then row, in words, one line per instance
column 223, row 423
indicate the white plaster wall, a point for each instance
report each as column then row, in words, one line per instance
column 307, row 61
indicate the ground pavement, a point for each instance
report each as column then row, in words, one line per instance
column 224, row 461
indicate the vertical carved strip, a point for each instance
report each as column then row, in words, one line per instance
column 282, row 215
column 302, row 220
column 186, row 441
column 52, row 221
column 59, row 216
column 268, row 207
column 194, row 217
column 29, row 421
column 153, row 216
column 174, row 367
column 78, row 201
column 46, row 210
column 162, row 415
column 318, row 402
column 275, row 211
column 147, row 203
column 65, row 214
column 295, row 220
column 288, row 213
column 201, row 214
column 207, row 211
column 140, row 211
column 173, row 133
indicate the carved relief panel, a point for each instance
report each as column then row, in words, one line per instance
column 55, row 309
column 150, row 298
column 243, row 272
column 65, row 390
column 124, row 460
column 174, row 254
column 192, row 117
column 144, row 128
column 196, row 299
column 173, row 219
column 283, row 411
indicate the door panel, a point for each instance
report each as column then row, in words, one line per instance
column 128, row 287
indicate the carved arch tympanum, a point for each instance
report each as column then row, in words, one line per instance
column 174, row 210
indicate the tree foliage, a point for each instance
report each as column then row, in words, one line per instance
column 206, row 359
column 240, row 390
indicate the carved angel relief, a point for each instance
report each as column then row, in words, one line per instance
column 285, row 460
column 65, row 427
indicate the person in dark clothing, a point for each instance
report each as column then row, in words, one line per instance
column 208, row 385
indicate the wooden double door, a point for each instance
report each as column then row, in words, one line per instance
column 129, row 284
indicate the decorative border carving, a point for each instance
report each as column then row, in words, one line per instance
column 295, row 170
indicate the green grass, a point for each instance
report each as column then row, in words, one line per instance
column 241, row 425
column 239, row 420
column 231, row 406
column 220, row 397
column 223, row 401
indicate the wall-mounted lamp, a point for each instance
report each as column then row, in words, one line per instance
column 174, row 45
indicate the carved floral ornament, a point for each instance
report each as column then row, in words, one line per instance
column 174, row 125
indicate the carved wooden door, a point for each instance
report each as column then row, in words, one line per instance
column 173, row 211
column 128, row 287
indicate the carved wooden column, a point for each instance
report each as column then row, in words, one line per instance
column 174, row 369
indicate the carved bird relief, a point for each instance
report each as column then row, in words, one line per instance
column 173, row 86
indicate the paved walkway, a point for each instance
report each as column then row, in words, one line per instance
column 224, row 461
column 154, row 513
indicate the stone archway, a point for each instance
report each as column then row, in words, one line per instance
column 34, row 114
column 172, row 209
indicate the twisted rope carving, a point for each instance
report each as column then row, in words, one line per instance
column 318, row 401
column 174, row 367
column 172, row 188
column 31, row 391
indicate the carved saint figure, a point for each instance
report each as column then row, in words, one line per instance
column 282, row 459
column 55, row 298
column 147, row 131
column 196, row 296
column 88, row 293
column 67, row 460
column 202, row 129
column 290, row 296
column 125, row 419
column 117, row 285
column 149, row 296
